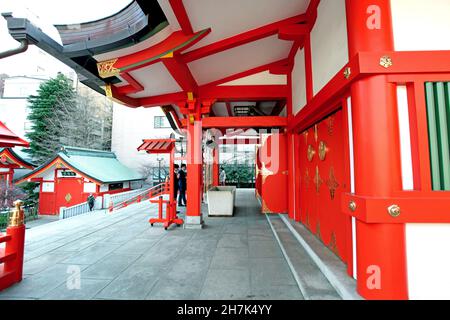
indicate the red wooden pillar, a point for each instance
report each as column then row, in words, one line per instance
column 215, row 167
column 291, row 176
column 194, row 170
column 381, row 255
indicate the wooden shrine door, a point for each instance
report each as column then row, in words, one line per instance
column 69, row 192
column 324, row 177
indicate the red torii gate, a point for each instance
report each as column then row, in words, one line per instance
column 166, row 146
column 11, row 257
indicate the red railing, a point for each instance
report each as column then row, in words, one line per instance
column 11, row 256
column 151, row 193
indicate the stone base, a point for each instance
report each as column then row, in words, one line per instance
column 193, row 222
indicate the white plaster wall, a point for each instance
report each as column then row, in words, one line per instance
column 298, row 82
column 130, row 126
column 329, row 44
column 428, row 259
column 48, row 187
column 89, row 187
column 49, row 174
column 421, row 25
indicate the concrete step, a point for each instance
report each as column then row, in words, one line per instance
column 329, row 264
column 311, row 281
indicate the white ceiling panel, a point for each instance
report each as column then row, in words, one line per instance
column 261, row 78
column 220, row 109
column 147, row 43
column 155, row 79
column 239, row 59
column 228, row 18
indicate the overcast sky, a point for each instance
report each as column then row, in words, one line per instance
column 46, row 13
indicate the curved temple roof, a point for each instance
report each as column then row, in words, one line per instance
column 9, row 138
column 204, row 50
column 100, row 166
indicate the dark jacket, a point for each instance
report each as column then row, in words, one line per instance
column 182, row 180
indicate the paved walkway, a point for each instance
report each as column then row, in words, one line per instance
column 119, row 256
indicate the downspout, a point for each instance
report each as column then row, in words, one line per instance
column 21, row 48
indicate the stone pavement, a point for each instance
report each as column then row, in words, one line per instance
column 119, row 256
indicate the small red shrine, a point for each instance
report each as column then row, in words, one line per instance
column 73, row 174
column 164, row 146
column 10, row 162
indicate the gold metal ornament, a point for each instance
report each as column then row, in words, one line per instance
column 307, row 178
column 347, row 73
column 305, row 135
column 332, row 183
column 316, row 132
column 17, row 215
column 330, row 125
column 106, row 68
column 68, row 197
column 311, row 153
column 265, row 172
column 386, row 62
column 317, row 180
column 352, row 206
column 108, row 91
column 191, row 119
column 318, row 231
column 333, row 244
column 394, row 211
column 322, row 150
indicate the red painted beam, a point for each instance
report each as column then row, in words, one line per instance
column 249, row 93
column 114, row 94
column 241, row 39
column 132, row 87
column 164, row 99
column 250, row 72
column 244, row 122
column 181, row 73
column 180, row 12
column 176, row 42
column 293, row 32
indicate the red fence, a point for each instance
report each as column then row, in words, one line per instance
column 11, row 256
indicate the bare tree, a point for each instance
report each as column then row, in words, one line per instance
column 9, row 194
column 84, row 121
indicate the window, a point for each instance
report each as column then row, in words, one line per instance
column 161, row 122
column 115, row 186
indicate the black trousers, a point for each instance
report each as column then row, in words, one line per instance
column 182, row 197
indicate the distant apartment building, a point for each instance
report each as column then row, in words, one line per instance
column 13, row 101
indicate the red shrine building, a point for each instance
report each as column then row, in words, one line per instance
column 10, row 160
column 10, row 164
column 73, row 174
column 349, row 99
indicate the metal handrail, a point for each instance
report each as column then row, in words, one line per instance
column 153, row 192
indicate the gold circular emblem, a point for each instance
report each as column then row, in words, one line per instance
column 394, row 211
column 352, row 206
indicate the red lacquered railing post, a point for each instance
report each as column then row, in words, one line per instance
column 16, row 245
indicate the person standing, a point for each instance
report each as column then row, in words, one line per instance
column 182, row 186
column 222, row 177
column 91, row 201
column 176, row 168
